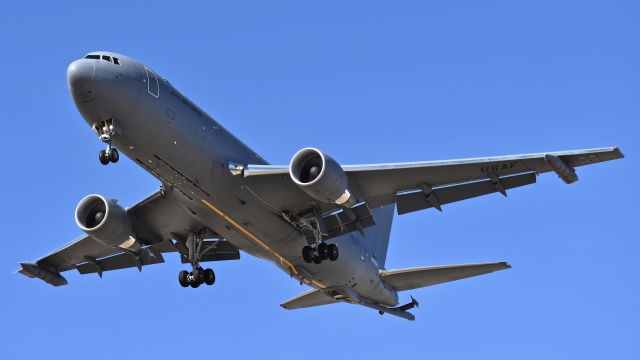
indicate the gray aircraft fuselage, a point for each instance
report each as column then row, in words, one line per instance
column 189, row 152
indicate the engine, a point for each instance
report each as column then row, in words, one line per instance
column 107, row 222
column 317, row 174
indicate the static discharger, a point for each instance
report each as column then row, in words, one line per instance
column 564, row 171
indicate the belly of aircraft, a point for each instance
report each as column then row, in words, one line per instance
column 189, row 153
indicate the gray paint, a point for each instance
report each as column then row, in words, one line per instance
column 211, row 179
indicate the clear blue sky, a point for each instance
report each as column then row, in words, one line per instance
column 367, row 82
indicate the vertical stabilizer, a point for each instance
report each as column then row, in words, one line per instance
column 377, row 237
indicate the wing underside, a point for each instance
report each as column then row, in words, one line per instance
column 380, row 184
column 158, row 217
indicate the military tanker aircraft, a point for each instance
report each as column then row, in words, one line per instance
column 325, row 224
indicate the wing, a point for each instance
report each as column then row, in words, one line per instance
column 159, row 217
column 453, row 180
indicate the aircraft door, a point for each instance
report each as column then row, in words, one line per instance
column 153, row 86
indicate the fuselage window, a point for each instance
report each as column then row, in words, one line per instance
column 152, row 83
column 94, row 57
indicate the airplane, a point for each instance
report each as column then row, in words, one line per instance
column 325, row 224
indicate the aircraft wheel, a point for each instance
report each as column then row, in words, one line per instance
column 209, row 277
column 198, row 276
column 104, row 158
column 333, row 252
column 195, row 284
column 307, row 254
column 317, row 259
column 183, row 278
column 114, row 156
column 323, row 251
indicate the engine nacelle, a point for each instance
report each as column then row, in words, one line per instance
column 317, row 174
column 107, row 222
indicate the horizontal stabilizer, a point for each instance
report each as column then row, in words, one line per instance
column 413, row 278
column 310, row 298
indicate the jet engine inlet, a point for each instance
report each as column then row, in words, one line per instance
column 321, row 177
column 106, row 221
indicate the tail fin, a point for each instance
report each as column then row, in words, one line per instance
column 377, row 237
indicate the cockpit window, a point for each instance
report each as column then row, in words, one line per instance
column 108, row 58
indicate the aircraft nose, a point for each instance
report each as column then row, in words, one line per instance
column 80, row 73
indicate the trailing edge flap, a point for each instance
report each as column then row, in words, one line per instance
column 338, row 223
column 215, row 250
column 413, row 278
column 418, row 200
column 314, row 297
column 148, row 256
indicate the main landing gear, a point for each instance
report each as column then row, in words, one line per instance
column 320, row 252
column 197, row 276
column 105, row 130
column 311, row 225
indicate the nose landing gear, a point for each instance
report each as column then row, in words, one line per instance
column 198, row 275
column 105, row 130
column 320, row 252
column 108, row 155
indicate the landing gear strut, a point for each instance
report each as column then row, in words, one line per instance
column 311, row 225
column 105, row 130
column 320, row 252
column 197, row 276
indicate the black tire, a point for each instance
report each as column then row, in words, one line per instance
column 104, row 158
column 317, row 259
column 195, row 284
column 333, row 252
column 209, row 277
column 323, row 251
column 307, row 254
column 183, row 278
column 198, row 275
column 114, row 156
